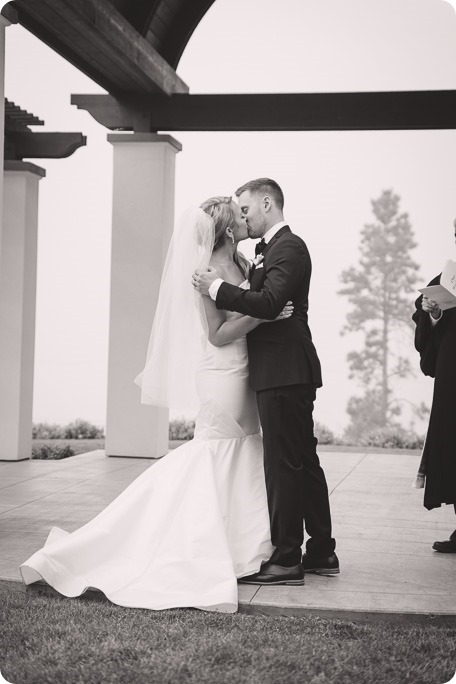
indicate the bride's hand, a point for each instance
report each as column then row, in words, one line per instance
column 287, row 312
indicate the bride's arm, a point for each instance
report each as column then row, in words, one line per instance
column 223, row 332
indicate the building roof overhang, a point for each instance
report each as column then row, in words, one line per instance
column 125, row 47
column 23, row 143
column 132, row 48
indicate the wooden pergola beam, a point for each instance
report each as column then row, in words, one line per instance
column 30, row 145
column 408, row 110
column 96, row 38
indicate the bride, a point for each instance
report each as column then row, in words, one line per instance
column 183, row 532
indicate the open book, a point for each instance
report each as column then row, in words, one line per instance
column 445, row 293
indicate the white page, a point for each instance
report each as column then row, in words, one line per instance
column 440, row 295
column 448, row 278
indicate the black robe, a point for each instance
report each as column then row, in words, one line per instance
column 437, row 347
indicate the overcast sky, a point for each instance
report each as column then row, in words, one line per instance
column 328, row 178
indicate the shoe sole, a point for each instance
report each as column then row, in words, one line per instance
column 323, row 571
column 444, row 550
column 294, row 583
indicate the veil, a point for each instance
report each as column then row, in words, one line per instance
column 179, row 330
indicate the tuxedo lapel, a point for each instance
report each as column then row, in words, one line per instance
column 282, row 231
column 256, row 279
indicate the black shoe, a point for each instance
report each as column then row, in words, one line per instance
column 321, row 566
column 448, row 546
column 272, row 575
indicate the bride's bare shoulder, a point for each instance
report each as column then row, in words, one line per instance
column 231, row 274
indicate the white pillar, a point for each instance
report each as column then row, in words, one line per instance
column 142, row 223
column 3, row 24
column 17, row 307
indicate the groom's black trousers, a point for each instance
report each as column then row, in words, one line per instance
column 295, row 481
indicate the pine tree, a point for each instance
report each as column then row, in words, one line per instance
column 379, row 291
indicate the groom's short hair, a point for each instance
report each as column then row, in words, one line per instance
column 264, row 186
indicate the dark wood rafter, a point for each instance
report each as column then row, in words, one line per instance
column 95, row 37
column 166, row 24
column 21, row 142
column 281, row 112
column 42, row 145
column 9, row 13
column 136, row 12
column 178, row 19
column 17, row 119
column 115, row 114
column 132, row 47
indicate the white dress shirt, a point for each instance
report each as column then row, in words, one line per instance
column 214, row 287
column 434, row 321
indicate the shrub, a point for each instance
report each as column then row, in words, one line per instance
column 392, row 438
column 323, row 434
column 78, row 429
column 48, row 431
column 82, row 429
column 181, row 428
column 53, row 452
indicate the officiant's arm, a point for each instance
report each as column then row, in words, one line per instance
column 223, row 332
column 432, row 308
column 424, row 320
column 428, row 336
column 285, row 269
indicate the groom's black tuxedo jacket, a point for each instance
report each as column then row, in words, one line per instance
column 280, row 353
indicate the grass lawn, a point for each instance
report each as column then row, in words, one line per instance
column 48, row 640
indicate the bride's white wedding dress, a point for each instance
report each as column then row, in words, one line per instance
column 185, row 529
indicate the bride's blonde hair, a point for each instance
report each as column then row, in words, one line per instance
column 220, row 209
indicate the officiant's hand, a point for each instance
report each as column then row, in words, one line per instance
column 431, row 307
column 202, row 280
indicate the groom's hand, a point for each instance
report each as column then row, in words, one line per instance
column 202, row 280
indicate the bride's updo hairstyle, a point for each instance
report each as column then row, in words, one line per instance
column 220, row 209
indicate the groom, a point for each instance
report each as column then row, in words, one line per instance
column 284, row 372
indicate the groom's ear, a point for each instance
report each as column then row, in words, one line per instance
column 267, row 204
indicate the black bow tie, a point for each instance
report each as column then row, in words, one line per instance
column 259, row 247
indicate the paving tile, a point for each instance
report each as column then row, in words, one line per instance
column 433, row 574
column 384, row 535
column 370, row 535
column 309, row 597
column 11, row 479
column 246, row 592
column 5, row 507
column 26, row 469
column 37, row 488
column 407, row 547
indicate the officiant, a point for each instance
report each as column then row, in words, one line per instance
column 435, row 340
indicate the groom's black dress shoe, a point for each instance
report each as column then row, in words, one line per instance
column 272, row 575
column 448, row 546
column 321, row 566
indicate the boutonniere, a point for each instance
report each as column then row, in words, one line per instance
column 258, row 259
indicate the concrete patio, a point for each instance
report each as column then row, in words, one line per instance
column 384, row 535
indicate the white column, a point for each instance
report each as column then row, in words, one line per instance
column 17, row 307
column 3, row 24
column 142, row 223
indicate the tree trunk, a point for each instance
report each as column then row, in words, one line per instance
column 385, row 355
